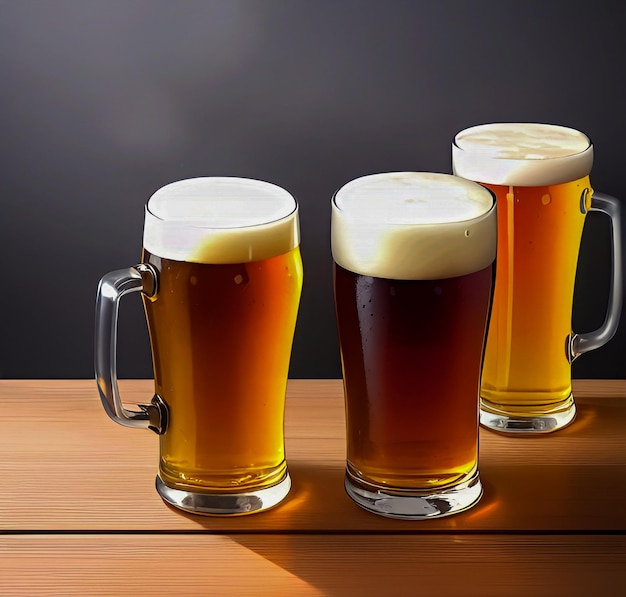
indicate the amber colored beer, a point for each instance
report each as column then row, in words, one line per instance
column 222, row 319
column 411, row 352
column 220, row 278
column 526, row 368
column 221, row 341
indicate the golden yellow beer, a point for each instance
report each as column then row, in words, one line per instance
column 539, row 174
column 221, row 340
column 229, row 278
column 527, row 369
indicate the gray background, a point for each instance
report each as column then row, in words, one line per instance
column 103, row 102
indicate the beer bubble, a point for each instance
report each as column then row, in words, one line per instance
column 467, row 232
column 238, row 279
column 546, row 199
column 437, row 290
column 193, row 280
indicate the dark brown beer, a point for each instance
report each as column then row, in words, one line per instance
column 411, row 354
column 413, row 255
column 221, row 340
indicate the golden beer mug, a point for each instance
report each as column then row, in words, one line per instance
column 220, row 278
column 413, row 273
column 540, row 175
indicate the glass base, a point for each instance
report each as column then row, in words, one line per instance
column 230, row 504
column 411, row 505
column 497, row 420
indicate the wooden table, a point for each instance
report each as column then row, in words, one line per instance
column 79, row 514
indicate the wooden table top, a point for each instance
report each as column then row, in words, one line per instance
column 79, row 514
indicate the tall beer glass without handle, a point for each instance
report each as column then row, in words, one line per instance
column 220, row 278
column 540, row 175
column 414, row 256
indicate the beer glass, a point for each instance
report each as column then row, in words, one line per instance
column 413, row 268
column 220, row 278
column 540, row 175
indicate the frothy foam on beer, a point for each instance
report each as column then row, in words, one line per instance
column 521, row 154
column 413, row 226
column 220, row 220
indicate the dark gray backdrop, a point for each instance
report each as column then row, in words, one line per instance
column 102, row 102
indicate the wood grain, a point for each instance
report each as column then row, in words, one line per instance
column 305, row 565
column 67, row 467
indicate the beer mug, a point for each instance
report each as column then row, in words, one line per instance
column 540, row 175
column 220, row 278
column 413, row 269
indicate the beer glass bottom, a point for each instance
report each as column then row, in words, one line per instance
column 415, row 505
column 530, row 423
column 231, row 504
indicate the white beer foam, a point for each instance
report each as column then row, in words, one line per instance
column 220, row 220
column 521, row 154
column 413, row 226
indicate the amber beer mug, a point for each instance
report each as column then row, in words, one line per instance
column 413, row 271
column 220, row 279
column 540, row 175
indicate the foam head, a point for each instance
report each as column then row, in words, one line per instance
column 220, row 220
column 521, row 154
column 413, row 226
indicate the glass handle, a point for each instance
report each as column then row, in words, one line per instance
column 581, row 343
column 111, row 289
